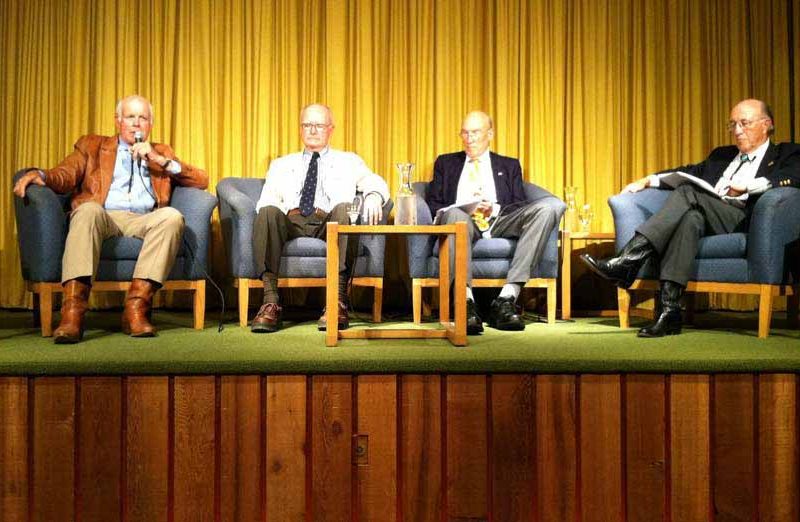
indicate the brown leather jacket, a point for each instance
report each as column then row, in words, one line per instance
column 88, row 170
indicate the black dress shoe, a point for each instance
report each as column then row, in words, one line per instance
column 623, row 269
column 503, row 315
column 268, row 319
column 343, row 318
column 474, row 321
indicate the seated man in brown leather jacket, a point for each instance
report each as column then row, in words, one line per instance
column 121, row 186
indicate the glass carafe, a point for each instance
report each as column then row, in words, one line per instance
column 406, row 201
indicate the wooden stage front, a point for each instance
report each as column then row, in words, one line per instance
column 415, row 448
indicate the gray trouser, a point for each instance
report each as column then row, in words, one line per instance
column 675, row 231
column 530, row 225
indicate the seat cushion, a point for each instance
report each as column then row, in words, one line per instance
column 492, row 248
column 723, row 246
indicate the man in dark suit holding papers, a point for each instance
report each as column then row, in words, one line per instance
column 491, row 187
column 735, row 176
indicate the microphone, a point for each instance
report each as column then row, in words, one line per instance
column 138, row 137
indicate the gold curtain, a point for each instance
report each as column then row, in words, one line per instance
column 591, row 93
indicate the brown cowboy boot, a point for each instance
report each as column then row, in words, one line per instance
column 73, row 308
column 136, row 317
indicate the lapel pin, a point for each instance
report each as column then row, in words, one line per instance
column 771, row 163
column 499, row 173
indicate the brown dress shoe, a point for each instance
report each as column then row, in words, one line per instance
column 268, row 319
column 136, row 317
column 73, row 308
column 344, row 318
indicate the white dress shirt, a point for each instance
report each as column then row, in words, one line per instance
column 339, row 175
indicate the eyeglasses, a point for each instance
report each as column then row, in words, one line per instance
column 471, row 133
column 744, row 124
column 132, row 120
column 319, row 127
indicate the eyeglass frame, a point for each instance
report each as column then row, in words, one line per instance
column 319, row 127
column 744, row 124
column 464, row 133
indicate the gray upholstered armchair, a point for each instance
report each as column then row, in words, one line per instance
column 303, row 261
column 763, row 261
column 43, row 225
column 491, row 258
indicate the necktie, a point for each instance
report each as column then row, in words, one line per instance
column 475, row 178
column 309, row 187
column 723, row 189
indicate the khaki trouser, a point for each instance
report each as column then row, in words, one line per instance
column 90, row 225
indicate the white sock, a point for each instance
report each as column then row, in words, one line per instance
column 510, row 290
column 469, row 294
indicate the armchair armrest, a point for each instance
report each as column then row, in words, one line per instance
column 773, row 235
column 632, row 209
column 196, row 206
column 41, row 231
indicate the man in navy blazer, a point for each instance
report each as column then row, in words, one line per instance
column 738, row 174
column 485, row 189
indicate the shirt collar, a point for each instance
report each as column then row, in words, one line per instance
column 483, row 158
column 760, row 152
column 307, row 154
column 122, row 145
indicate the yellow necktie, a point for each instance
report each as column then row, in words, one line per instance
column 475, row 178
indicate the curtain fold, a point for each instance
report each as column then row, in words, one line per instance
column 590, row 93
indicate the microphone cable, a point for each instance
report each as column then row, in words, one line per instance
column 192, row 257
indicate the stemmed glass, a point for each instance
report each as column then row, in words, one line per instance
column 354, row 209
column 585, row 216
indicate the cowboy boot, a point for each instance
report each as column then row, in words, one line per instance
column 136, row 317
column 669, row 321
column 622, row 270
column 73, row 308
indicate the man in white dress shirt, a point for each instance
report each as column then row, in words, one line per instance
column 302, row 193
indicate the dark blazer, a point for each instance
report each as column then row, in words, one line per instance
column 781, row 166
column 443, row 189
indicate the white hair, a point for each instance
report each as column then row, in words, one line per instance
column 132, row 97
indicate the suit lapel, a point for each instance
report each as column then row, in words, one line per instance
column 769, row 160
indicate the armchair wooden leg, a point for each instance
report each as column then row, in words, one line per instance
column 46, row 309
column 377, row 303
column 199, row 304
column 551, row 301
column 793, row 307
column 765, row 311
column 624, row 305
column 416, row 300
column 244, row 298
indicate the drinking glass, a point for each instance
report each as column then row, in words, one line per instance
column 354, row 209
column 570, row 193
column 585, row 216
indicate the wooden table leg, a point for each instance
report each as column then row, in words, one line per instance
column 444, row 278
column 460, row 296
column 566, row 275
column 332, row 285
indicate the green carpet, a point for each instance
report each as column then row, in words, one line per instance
column 719, row 342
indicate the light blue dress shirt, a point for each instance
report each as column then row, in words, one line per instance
column 130, row 193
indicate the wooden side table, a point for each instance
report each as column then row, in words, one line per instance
column 455, row 332
column 567, row 238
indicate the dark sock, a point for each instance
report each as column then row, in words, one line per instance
column 343, row 280
column 270, row 288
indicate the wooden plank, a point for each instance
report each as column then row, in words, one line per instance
column 14, row 442
column 733, row 448
column 376, row 468
column 147, row 452
column 601, row 447
column 100, row 449
column 53, row 449
column 778, row 448
column 331, row 447
column 690, row 467
column 645, row 447
column 241, row 442
column 287, row 441
column 194, row 450
column 513, row 449
column 556, row 448
column 421, row 448
column 467, row 447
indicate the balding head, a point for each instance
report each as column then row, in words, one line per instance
column 134, row 115
column 751, row 124
column 476, row 133
column 316, row 126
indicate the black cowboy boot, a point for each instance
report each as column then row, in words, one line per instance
column 622, row 270
column 669, row 321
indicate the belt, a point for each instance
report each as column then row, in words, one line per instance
column 296, row 212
